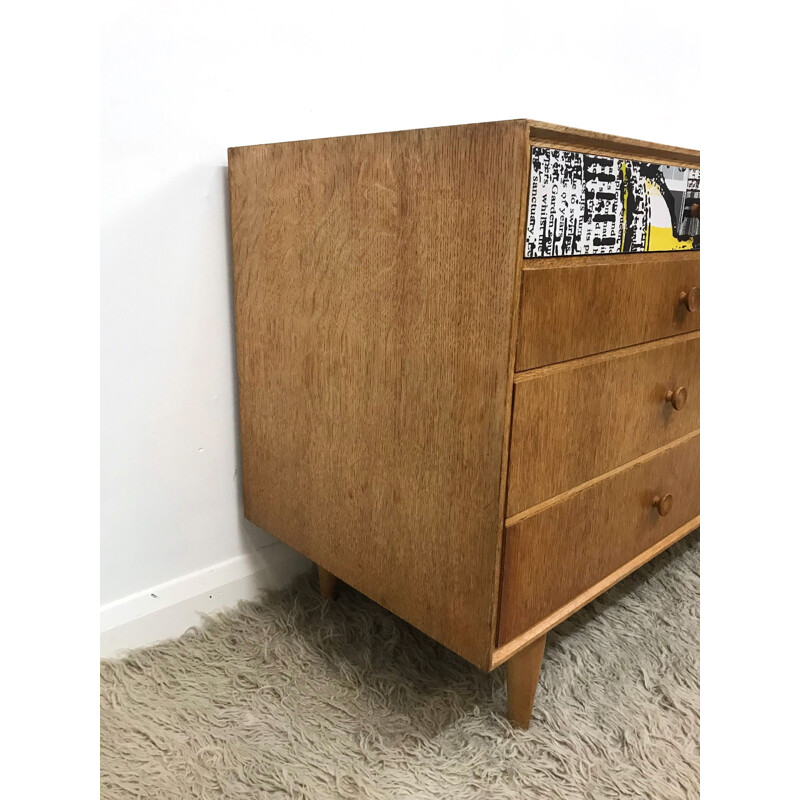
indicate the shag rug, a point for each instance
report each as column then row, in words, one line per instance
column 295, row 697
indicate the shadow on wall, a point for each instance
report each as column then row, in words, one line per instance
column 171, row 484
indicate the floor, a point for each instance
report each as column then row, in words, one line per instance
column 293, row 697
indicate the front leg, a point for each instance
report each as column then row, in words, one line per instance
column 521, row 682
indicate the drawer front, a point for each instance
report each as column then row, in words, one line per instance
column 583, row 204
column 581, row 310
column 574, row 421
column 570, row 546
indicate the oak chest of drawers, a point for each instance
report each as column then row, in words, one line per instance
column 469, row 369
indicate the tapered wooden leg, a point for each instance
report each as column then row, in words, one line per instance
column 327, row 583
column 521, row 682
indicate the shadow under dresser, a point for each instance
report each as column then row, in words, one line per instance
column 469, row 369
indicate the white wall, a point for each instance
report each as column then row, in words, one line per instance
column 183, row 81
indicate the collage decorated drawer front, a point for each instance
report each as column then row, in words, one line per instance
column 582, row 204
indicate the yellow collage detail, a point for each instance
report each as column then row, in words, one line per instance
column 659, row 238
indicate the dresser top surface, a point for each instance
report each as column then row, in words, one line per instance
column 560, row 136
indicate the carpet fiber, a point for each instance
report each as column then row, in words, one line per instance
column 293, row 697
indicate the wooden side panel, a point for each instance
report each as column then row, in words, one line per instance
column 577, row 420
column 374, row 279
column 554, row 555
column 603, row 305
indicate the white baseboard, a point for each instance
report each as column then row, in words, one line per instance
column 167, row 610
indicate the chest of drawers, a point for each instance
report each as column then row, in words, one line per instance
column 468, row 367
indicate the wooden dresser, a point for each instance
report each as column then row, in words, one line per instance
column 469, row 369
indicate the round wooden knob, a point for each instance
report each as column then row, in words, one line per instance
column 663, row 504
column 677, row 397
column 695, row 210
column 691, row 300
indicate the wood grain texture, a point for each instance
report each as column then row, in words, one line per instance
column 576, row 420
column 518, row 643
column 374, row 284
column 559, row 553
column 565, row 138
column 581, row 310
column 560, row 262
column 522, row 212
column 522, row 679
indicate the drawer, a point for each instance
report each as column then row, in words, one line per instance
column 585, row 204
column 571, row 545
column 577, row 311
column 574, row 421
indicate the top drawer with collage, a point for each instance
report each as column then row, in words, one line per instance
column 587, row 205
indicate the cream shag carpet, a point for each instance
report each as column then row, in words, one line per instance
column 293, row 697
